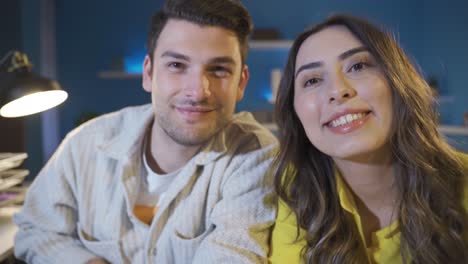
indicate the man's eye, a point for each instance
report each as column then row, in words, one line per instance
column 220, row 71
column 175, row 66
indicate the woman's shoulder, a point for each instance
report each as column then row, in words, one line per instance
column 464, row 159
column 285, row 214
column 286, row 246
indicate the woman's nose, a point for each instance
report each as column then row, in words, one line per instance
column 341, row 90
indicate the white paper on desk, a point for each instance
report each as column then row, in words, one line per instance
column 11, row 160
column 11, row 178
column 13, row 195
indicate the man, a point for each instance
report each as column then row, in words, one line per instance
column 181, row 180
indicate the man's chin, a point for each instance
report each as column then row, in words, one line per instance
column 190, row 141
column 193, row 138
column 187, row 134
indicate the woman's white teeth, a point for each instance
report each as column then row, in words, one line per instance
column 346, row 119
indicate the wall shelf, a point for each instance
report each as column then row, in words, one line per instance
column 445, row 99
column 454, row 130
column 118, row 75
column 254, row 45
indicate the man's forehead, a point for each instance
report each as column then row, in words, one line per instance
column 197, row 41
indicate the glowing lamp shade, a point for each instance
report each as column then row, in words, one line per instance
column 23, row 92
column 33, row 103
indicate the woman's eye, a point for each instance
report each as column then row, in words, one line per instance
column 358, row 67
column 311, row 82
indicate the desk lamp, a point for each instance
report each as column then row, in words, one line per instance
column 22, row 92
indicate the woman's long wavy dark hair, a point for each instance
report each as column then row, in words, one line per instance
column 429, row 175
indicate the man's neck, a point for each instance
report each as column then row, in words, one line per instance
column 163, row 154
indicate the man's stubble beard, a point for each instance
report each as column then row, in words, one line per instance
column 190, row 137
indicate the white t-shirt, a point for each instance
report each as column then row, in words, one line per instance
column 152, row 188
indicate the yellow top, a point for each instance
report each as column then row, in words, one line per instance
column 385, row 247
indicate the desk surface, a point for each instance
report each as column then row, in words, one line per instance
column 7, row 231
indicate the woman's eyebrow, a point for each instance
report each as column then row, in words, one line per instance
column 308, row 66
column 351, row 52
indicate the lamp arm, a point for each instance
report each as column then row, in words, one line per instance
column 6, row 57
column 4, row 68
column 18, row 60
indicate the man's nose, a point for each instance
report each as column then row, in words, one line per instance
column 198, row 87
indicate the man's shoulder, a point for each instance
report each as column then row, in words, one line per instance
column 244, row 128
column 109, row 124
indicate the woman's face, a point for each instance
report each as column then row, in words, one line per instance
column 342, row 96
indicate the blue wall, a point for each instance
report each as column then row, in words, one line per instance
column 444, row 53
column 290, row 20
column 10, row 26
column 91, row 35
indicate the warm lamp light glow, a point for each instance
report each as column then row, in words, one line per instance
column 33, row 103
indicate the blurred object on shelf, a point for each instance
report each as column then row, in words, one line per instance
column 434, row 84
column 266, row 34
column 117, row 64
column 275, row 79
column 263, row 116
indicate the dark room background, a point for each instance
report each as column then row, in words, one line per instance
column 94, row 39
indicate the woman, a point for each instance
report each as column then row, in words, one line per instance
column 363, row 174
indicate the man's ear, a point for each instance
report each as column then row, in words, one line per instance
column 147, row 78
column 244, row 79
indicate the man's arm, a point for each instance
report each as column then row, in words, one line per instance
column 47, row 222
column 244, row 217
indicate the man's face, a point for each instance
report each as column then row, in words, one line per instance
column 196, row 79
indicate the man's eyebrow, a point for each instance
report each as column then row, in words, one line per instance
column 223, row 60
column 308, row 66
column 175, row 55
column 351, row 52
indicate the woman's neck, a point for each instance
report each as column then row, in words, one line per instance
column 373, row 188
column 372, row 183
